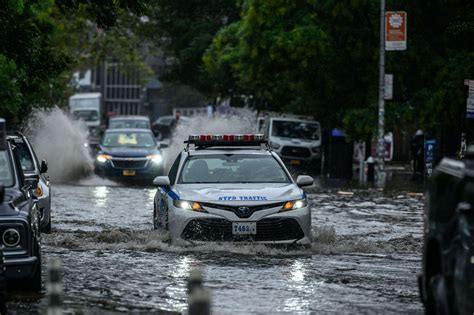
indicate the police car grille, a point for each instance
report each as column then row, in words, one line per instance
column 238, row 212
column 295, row 151
column 272, row 229
column 278, row 229
column 208, row 230
column 129, row 163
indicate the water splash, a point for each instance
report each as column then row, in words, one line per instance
column 243, row 121
column 60, row 141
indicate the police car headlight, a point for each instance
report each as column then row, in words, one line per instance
column 155, row 158
column 102, row 158
column 188, row 205
column 294, row 204
column 11, row 237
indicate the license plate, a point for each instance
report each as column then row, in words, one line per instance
column 244, row 228
column 129, row 173
column 295, row 162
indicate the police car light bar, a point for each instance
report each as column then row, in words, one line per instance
column 227, row 140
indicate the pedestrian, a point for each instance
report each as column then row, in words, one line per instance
column 417, row 151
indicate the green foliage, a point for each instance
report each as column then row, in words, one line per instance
column 43, row 41
column 184, row 29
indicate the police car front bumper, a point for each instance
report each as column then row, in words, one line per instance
column 272, row 226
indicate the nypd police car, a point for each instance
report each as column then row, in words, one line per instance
column 232, row 188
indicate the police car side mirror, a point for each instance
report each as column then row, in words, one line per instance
column 304, row 180
column 163, row 145
column 161, row 181
column 2, row 193
column 44, row 167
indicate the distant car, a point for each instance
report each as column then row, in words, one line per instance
column 20, row 237
column 129, row 155
column 232, row 189
column 33, row 168
column 163, row 127
column 129, row 122
column 447, row 279
column 296, row 141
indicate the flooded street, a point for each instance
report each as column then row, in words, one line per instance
column 365, row 257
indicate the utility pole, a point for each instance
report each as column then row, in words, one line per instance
column 381, row 115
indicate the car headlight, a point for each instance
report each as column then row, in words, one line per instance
column 275, row 146
column 294, row 204
column 188, row 205
column 155, row 158
column 102, row 158
column 39, row 191
column 11, row 237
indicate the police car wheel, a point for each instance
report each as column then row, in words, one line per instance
column 439, row 288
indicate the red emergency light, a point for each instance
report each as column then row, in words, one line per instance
column 248, row 139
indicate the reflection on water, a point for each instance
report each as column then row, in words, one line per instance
column 298, row 271
column 100, row 194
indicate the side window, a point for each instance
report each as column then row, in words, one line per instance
column 174, row 170
column 26, row 159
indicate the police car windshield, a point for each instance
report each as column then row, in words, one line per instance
column 232, row 168
column 6, row 175
column 128, row 139
column 295, row 129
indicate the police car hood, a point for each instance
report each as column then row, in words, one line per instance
column 238, row 193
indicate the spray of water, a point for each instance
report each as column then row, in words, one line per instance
column 60, row 141
column 242, row 121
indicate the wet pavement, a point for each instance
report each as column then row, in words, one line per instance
column 364, row 258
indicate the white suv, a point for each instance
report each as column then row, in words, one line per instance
column 297, row 141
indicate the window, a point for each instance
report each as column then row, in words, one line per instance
column 233, row 168
column 174, row 170
column 129, row 139
column 6, row 174
column 295, row 129
column 128, row 123
column 26, row 159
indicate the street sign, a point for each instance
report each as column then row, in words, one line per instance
column 396, row 30
column 470, row 107
column 388, row 87
column 430, row 147
column 471, row 88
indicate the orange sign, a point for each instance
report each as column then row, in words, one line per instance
column 395, row 30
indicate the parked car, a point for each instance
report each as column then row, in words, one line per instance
column 32, row 168
column 447, row 279
column 20, row 236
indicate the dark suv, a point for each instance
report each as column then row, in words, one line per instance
column 447, row 280
column 20, row 238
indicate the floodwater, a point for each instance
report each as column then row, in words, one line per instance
column 364, row 258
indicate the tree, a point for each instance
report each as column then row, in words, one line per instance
column 184, row 29
column 38, row 51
